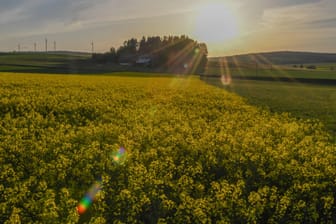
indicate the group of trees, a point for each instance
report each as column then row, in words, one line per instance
column 169, row 53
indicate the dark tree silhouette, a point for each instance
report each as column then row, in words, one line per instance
column 177, row 54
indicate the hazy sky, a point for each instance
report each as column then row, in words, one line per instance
column 227, row 26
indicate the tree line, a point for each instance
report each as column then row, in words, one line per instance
column 169, row 53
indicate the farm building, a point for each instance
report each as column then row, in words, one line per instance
column 145, row 60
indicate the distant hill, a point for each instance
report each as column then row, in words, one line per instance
column 280, row 58
column 52, row 61
column 41, row 58
column 57, row 62
column 49, row 52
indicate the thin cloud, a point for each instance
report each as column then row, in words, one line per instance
column 323, row 23
column 110, row 21
column 296, row 17
column 6, row 6
column 259, row 13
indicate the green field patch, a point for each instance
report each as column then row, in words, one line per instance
column 275, row 73
column 301, row 100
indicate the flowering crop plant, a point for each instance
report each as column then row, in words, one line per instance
column 195, row 154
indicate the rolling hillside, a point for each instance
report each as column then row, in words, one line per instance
column 280, row 58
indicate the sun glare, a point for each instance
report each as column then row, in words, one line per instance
column 216, row 23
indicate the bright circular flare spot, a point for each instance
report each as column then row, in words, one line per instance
column 216, row 23
column 226, row 80
column 119, row 157
column 81, row 209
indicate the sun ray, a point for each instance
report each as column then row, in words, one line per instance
column 225, row 72
column 276, row 68
column 236, row 65
column 173, row 43
column 176, row 59
column 195, row 62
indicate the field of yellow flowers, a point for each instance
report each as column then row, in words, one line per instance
column 195, row 154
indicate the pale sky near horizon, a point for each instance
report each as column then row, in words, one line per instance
column 227, row 26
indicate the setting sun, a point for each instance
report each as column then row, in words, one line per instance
column 179, row 111
column 215, row 23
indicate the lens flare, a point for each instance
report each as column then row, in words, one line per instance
column 120, row 156
column 89, row 197
column 226, row 80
